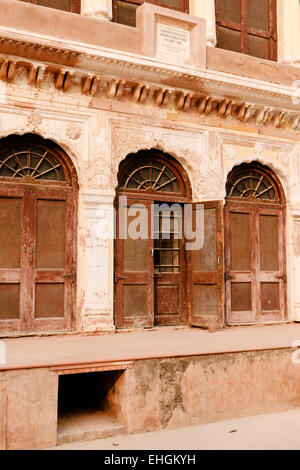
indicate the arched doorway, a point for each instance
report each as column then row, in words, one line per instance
column 150, row 270
column 255, row 248
column 38, row 200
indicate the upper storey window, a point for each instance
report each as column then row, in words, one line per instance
column 248, row 26
column 72, row 6
column 124, row 11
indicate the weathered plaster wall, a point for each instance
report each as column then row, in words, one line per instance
column 99, row 128
column 98, row 133
column 102, row 9
column 158, row 394
column 288, row 23
column 31, row 408
column 172, row 393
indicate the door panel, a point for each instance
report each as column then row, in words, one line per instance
column 12, row 258
column 205, row 260
column 206, row 269
column 135, row 255
column 37, row 258
column 53, row 273
column 169, row 265
column 205, row 300
column 241, row 297
column 271, row 272
column 49, row 300
column 135, row 301
column 50, row 234
column 268, row 234
column 255, row 263
column 9, row 301
column 134, row 281
column 10, row 233
column 168, row 299
column 240, row 246
column 240, row 277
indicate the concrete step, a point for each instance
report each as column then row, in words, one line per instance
column 86, row 426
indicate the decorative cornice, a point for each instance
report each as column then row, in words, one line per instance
column 140, row 78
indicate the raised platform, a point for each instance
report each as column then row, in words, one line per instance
column 56, row 351
column 142, row 381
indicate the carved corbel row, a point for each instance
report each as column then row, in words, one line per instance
column 186, row 101
column 36, row 73
column 264, row 116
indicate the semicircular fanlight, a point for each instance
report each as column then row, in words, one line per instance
column 151, row 175
column 30, row 161
column 252, row 184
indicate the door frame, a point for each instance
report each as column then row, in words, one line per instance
column 184, row 196
column 30, row 189
column 29, row 275
column 122, row 277
column 212, row 278
column 272, row 207
column 66, row 275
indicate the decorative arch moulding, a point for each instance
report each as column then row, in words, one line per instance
column 280, row 156
column 188, row 146
column 207, row 155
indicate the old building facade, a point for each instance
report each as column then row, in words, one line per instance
column 92, row 109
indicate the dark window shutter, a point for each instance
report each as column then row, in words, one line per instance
column 73, row 6
column 124, row 11
column 248, row 26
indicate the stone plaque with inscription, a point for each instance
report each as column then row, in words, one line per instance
column 173, row 43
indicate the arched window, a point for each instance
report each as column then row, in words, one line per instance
column 253, row 182
column 31, row 158
column 30, row 161
column 153, row 172
column 150, row 175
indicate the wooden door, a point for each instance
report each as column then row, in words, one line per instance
column 37, row 258
column 206, row 297
column 52, row 259
column 13, row 262
column 255, row 263
column 169, row 265
column 134, row 268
